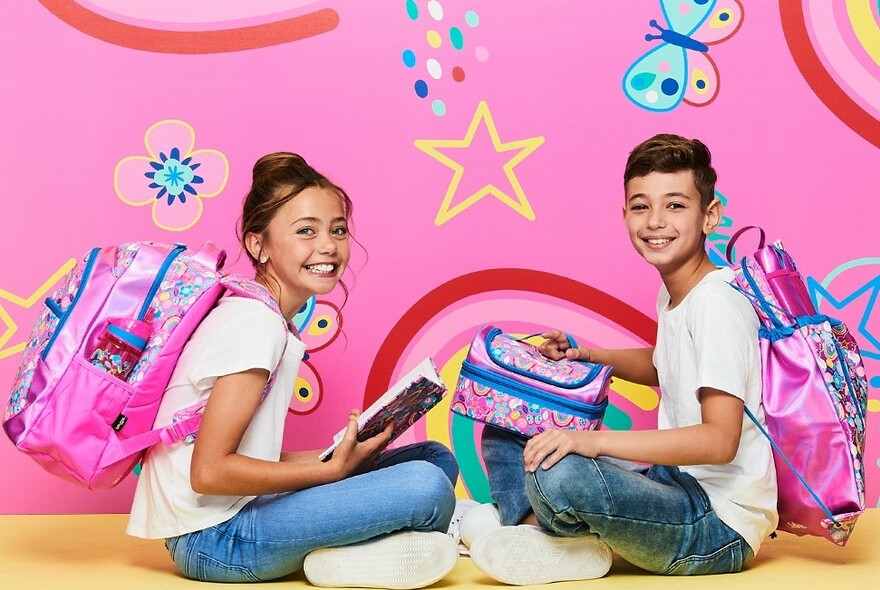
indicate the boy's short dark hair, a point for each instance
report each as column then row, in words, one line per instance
column 666, row 152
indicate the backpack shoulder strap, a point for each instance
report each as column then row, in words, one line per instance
column 186, row 421
column 245, row 287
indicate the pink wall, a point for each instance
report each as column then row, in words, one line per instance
column 454, row 238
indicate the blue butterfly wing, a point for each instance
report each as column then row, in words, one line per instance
column 717, row 241
column 686, row 16
column 658, row 79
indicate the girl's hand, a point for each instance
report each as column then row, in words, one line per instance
column 546, row 449
column 351, row 456
column 556, row 347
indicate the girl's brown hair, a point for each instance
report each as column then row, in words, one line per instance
column 278, row 178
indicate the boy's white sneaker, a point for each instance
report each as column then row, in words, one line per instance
column 524, row 555
column 409, row 559
column 477, row 521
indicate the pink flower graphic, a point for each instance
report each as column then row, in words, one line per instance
column 174, row 177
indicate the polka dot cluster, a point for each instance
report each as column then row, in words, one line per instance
column 443, row 32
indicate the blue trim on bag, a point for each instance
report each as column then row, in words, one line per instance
column 775, row 334
column 160, row 276
column 87, row 272
column 849, row 385
column 594, row 371
column 790, row 466
column 782, row 332
column 511, row 387
column 63, row 315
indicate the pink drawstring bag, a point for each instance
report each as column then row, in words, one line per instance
column 815, row 398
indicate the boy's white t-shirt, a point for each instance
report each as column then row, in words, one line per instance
column 710, row 339
column 238, row 335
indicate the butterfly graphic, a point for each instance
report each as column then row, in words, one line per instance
column 318, row 323
column 717, row 241
column 680, row 69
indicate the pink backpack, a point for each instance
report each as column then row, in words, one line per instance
column 79, row 421
column 815, row 398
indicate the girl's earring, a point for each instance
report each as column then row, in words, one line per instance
column 264, row 259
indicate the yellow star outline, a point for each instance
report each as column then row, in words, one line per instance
column 11, row 326
column 520, row 204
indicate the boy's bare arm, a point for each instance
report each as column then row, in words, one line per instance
column 631, row 364
column 712, row 442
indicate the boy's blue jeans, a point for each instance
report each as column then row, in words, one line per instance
column 657, row 518
column 411, row 488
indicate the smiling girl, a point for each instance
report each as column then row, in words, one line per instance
column 234, row 507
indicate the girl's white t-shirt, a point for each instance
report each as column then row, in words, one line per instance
column 237, row 335
column 711, row 340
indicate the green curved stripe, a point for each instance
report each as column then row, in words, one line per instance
column 464, row 445
column 615, row 419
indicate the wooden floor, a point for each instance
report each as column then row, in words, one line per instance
column 92, row 552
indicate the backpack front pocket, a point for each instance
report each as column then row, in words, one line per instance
column 68, row 435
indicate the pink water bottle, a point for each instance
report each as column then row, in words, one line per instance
column 121, row 346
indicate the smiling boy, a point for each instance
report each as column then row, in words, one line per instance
column 702, row 495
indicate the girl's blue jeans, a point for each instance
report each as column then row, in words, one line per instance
column 412, row 488
column 656, row 517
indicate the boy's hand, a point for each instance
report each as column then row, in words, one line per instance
column 556, row 347
column 351, row 456
column 548, row 448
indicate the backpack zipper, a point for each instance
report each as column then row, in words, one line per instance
column 87, row 272
column 511, row 387
column 160, row 276
column 62, row 316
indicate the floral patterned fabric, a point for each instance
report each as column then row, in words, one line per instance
column 509, row 384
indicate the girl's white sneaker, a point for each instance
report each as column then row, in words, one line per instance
column 524, row 555
column 409, row 559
